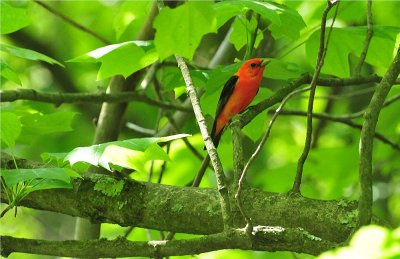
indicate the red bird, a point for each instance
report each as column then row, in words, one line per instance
column 238, row 92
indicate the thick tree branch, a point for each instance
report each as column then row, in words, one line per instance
column 366, row 140
column 59, row 98
column 265, row 239
column 193, row 210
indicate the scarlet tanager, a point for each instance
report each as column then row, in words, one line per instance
column 238, row 92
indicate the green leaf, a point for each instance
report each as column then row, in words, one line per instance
column 56, row 157
column 131, row 14
column 228, row 9
column 38, row 123
column 173, row 79
column 369, row 242
column 284, row 21
column 348, row 40
column 242, row 28
column 123, row 157
column 45, row 184
column 12, row 18
column 89, row 155
column 10, row 128
column 28, row 54
column 155, row 152
column 121, row 59
column 8, row 73
column 337, row 177
column 180, row 30
column 291, row 25
column 278, row 69
column 14, row 176
column 130, row 153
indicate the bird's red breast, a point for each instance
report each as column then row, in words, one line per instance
column 238, row 93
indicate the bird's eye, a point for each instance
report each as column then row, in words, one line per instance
column 253, row 65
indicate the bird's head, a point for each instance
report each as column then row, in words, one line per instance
column 253, row 68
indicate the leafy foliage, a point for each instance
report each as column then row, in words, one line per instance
column 121, row 59
column 369, row 242
column 10, row 131
column 17, row 183
column 199, row 20
column 130, row 153
column 131, row 17
column 350, row 40
column 28, row 54
column 14, row 176
column 8, row 73
column 17, row 15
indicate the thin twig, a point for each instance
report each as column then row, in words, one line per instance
column 368, row 37
column 220, row 176
column 345, row 121
column 335, row 96
column 361, row 113
column 174, row 126
column 59, row 98
column 320, row 61
column 268, row 131
column 140, row 129
column 253, row 111
column 257, row 151
column 392, row 100
column 171, row 120
column 72, row 22
column 164, row 165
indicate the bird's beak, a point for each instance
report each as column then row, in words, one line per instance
column 265, row 62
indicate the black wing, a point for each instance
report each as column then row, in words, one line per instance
column 226, row 93
column 223, row 99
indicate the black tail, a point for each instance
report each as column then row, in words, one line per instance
column 215, row 137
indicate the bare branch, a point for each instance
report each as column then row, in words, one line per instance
column 219, row 173
column 366, row 140
column 72, row 22
column 59, row 98
column 257, row 151
column 343, row 120
column 320, row 61
column 368, row 37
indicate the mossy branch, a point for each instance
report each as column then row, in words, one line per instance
column 266, row 239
